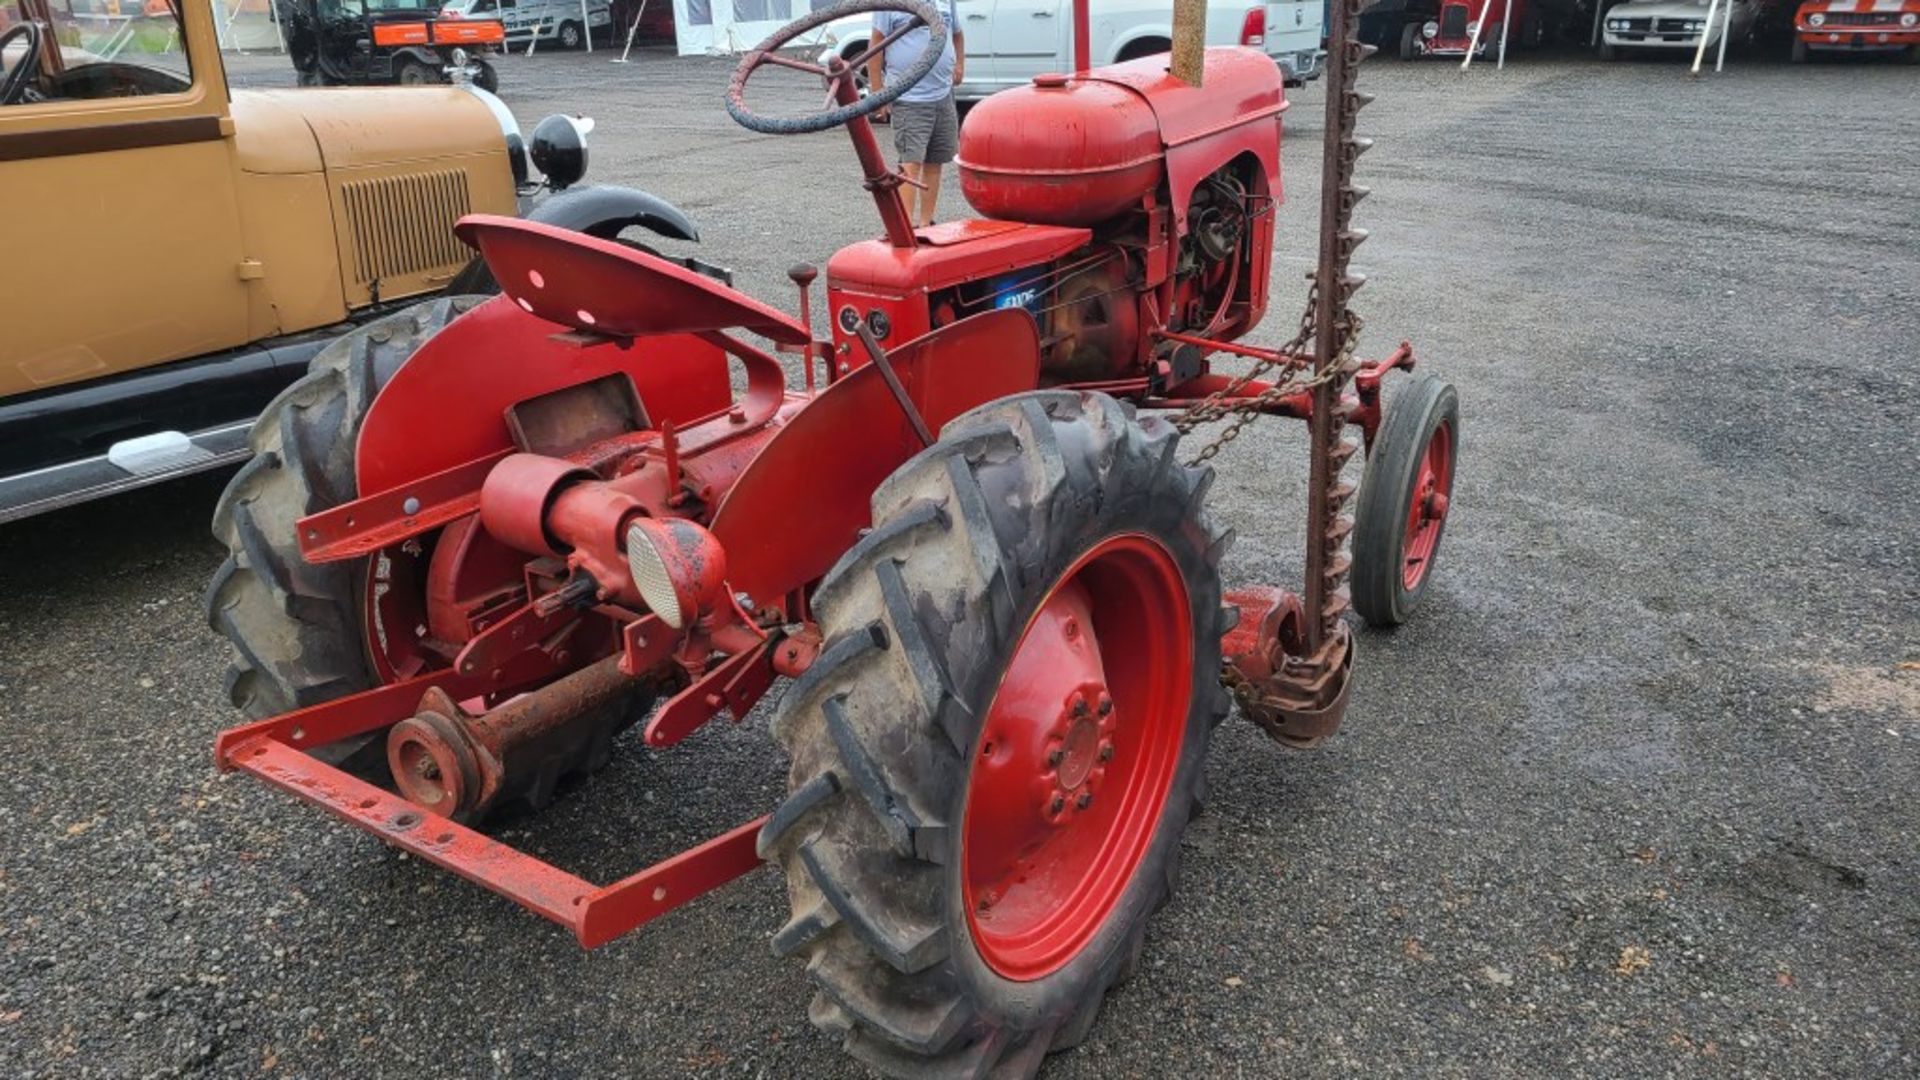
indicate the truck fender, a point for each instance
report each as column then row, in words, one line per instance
column 603, row 210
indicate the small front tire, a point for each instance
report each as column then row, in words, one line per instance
column 1404, row 501
column 1410, row 41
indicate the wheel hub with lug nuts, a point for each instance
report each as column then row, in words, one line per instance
column 1075, row 756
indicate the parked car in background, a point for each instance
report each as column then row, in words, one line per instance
column 564, row 22
column 1672, row 24
column 1010, row 41
column 1449, row 28
column 179, row 251
column 1857, row 26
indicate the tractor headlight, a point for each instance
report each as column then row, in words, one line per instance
column 678, row 568
column 1818, row 18
column 1910, row 19
column 559, row 149
column 1431, row 29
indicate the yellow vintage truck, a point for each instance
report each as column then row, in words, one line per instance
column 176, row 252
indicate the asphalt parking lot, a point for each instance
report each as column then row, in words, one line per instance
column 1633, row 795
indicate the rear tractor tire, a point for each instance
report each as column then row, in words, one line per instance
column 999, row 749
column 297, row 630
column 1404, row 501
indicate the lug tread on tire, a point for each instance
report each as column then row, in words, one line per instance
column 967, row 537
column 295, row 628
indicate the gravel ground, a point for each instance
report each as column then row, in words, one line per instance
column 1632, row 796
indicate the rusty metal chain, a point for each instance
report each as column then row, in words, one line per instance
column 1292, row 358
column 1226, row 403
column 1326, row 371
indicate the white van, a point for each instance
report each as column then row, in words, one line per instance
column 566, row 22
column 1011, row 41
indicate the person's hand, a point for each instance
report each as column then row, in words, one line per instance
column 883, row 114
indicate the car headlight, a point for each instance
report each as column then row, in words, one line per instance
column 1430, row 29
column 1696, row 26
column 1910, row 19
column 559, row 149
column 1473, row 27
column 1817, row 19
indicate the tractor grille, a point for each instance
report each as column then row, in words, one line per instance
column 1453, row 21
column 404, row 224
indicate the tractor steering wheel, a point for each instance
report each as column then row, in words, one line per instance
column 922, row 14
column 14, row 83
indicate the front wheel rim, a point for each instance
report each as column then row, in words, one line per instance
column 1077, row 756
column 1427, row 509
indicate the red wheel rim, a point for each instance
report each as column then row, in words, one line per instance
column 1076, row 757
column 1427, row 511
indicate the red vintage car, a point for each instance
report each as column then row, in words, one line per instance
column 1857, row 26
column 1449, row 31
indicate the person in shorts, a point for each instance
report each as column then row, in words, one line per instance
column 926, row 124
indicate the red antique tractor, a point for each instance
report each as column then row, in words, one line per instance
column 481, row 540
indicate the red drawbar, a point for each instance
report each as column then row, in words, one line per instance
column 596, row 914
column 269, row 749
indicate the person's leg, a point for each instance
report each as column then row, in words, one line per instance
column 943, row 145
column 928, row 174
column 912, row 170
column 913, row 127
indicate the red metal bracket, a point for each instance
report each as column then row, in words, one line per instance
column 734, row 684
column 381, row 520
column 595, row 914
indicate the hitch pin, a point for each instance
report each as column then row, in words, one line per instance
column 579, row 589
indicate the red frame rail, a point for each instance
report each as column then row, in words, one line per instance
column 596, row 914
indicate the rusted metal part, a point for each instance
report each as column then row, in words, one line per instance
column 1297, row 697
column 461, row 765
column 1328, row 524
column 371, row 710
column 594, row 914
column 797, row 651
